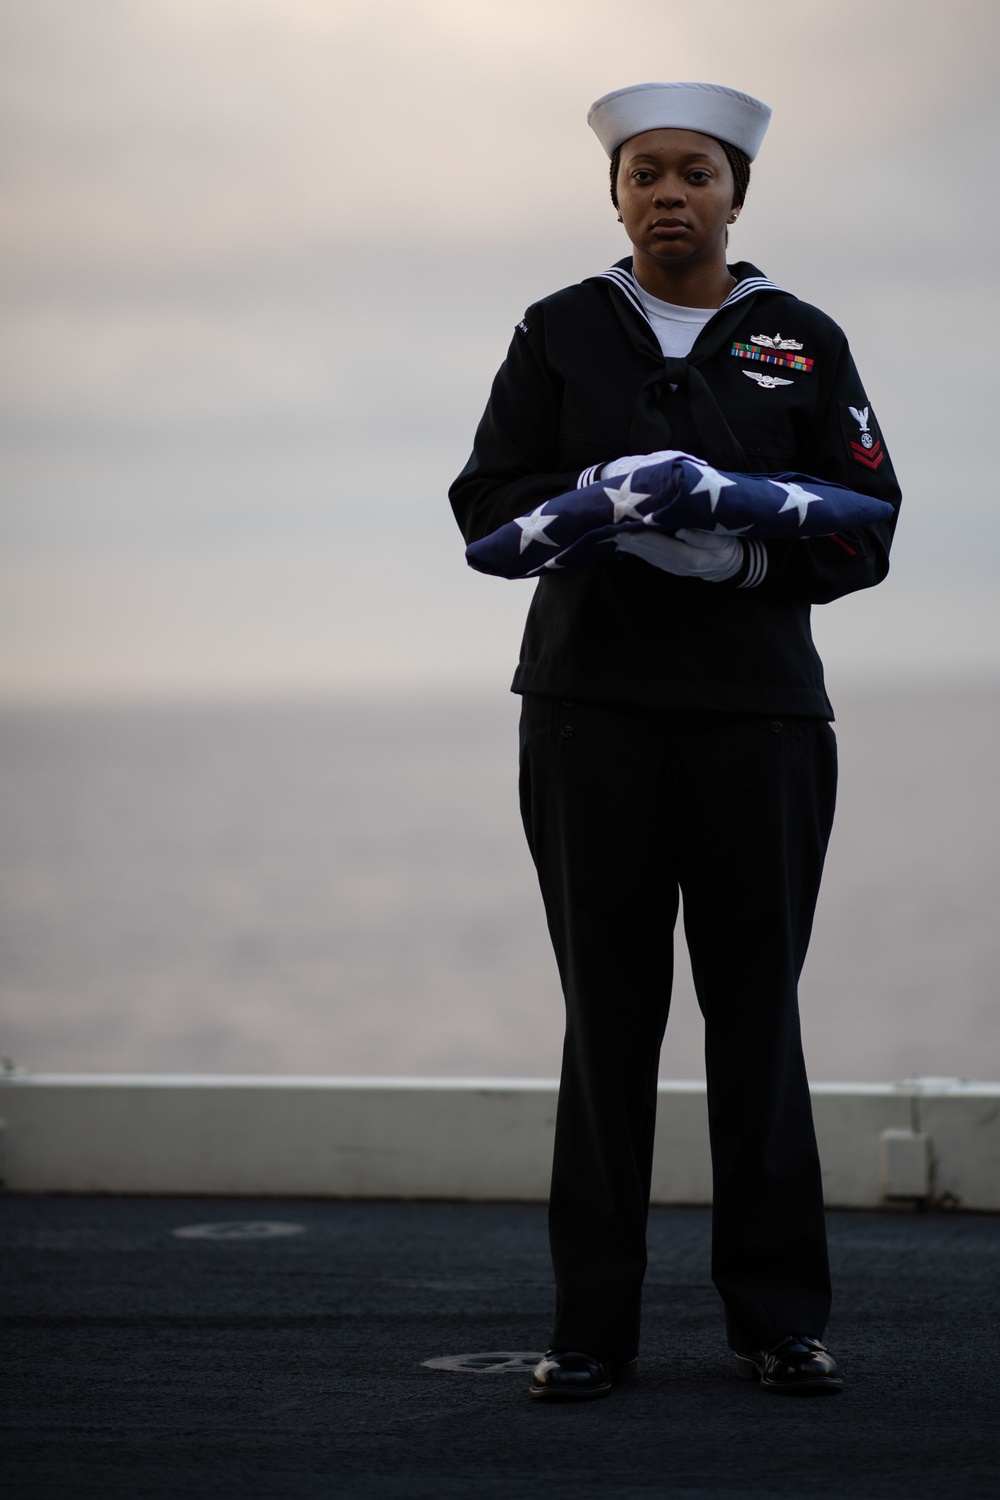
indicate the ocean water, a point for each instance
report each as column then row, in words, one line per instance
column 343, row 887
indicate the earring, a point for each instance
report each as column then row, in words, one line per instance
column 620, row 219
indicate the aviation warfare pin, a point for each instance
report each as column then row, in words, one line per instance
column 766, row 382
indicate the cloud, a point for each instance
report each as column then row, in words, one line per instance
column 237, row 231
column 181, row 134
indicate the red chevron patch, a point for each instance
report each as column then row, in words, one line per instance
column 870, row 457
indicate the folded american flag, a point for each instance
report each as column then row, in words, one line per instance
column 581, row 527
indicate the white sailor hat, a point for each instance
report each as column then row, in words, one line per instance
column 708, row 108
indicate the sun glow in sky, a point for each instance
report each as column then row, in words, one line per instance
column 262, row 257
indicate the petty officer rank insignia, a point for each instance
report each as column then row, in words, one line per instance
column 772, row 349
column 864, row 446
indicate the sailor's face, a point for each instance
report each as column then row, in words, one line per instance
column 675, row 194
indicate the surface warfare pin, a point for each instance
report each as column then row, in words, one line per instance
column 774, row 341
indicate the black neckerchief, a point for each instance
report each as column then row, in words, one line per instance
column 673, row 380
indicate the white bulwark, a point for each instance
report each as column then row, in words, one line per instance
column 931, row 1140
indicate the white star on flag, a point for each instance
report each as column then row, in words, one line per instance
column 711, row 484
column 533, row 527
column 798, row 498
column 625, row 501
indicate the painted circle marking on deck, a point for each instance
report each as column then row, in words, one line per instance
column 239, row 1229
column 497, row 1362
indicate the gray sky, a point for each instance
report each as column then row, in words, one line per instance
column 262, row 257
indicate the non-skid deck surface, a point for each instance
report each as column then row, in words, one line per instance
column 142, row 1363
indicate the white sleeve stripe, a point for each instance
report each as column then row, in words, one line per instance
column 760, row 568
column 757, row 565
column 587, row 476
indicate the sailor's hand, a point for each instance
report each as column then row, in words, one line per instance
column 689, row 554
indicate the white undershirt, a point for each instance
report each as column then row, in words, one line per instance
column 675, row 327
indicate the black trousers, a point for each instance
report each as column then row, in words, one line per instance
column 624, row 808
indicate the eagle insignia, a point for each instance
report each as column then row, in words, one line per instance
column 866, row 448
column 766, row 382
column 774, row 341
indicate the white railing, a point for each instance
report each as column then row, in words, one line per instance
column 936, row 1140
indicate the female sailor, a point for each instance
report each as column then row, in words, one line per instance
column 675, row 731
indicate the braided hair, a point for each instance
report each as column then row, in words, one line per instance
column 739, row 165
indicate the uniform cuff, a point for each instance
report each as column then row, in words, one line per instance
column 754, row 569
column 589, row 476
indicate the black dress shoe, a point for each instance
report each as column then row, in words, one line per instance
column 566, row 1375
column 795, row 1366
